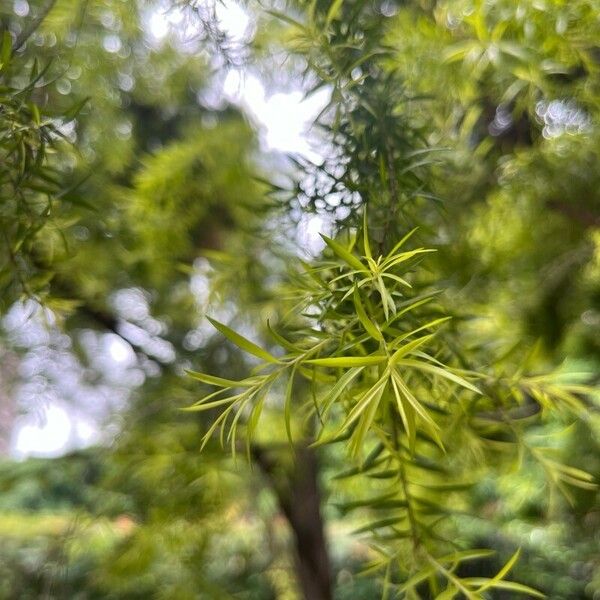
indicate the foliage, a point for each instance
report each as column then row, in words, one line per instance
column 433, row 365
column 33, row 185
column 382, row 157
column 376, row 373
column 92, row 540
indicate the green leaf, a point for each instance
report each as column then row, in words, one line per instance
column 333, row 11
column 252, row 423
column 402, row 242
column 379, row 524
column 344, row 254
column 369, row 326
column 408, row 348
column 386, row 300
column 411, row 401
column 219, row 381
column 428, row 325
column 242, row 342
column 372, row 502
column 464, row 555
column 366, row 244
column 448, row 594
column 219, row 421
column 289, row 346
column 397, row 279
column 202, row 406
column 347, row 361
column 459, row 51
column 5, row 50
column 404, row 256
column 35, row 114
column 74, row 110
column 505, row 585
column 367, row 418
column 572, row 471
column 407, row 414
column 372, row 461
column 342, row 383
column 370, row 396
column 502, row 573
column 422, row 366
column 287, row 407
column 410, row 306
column 417, row 578
column 445, row 487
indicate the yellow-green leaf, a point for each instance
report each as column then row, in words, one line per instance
column 369, row 326
column 344, row 254
column 219, row 381
column 348, row 361
column 423, row 366
column 242, row 343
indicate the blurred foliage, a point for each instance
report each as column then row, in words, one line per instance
column 130, row 206
column 67, row 534
column 32, row 179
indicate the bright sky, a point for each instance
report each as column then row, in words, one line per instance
column 54, row 432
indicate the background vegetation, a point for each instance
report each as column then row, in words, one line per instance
column 456, row 176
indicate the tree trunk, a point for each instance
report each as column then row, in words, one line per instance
column 299, row 498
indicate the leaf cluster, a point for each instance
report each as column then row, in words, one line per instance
column 378, row 378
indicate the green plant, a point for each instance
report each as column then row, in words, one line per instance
column 382, row 381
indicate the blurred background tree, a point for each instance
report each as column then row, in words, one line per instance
column 131, row 205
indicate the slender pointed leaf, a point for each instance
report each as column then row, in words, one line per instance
column 241, row 342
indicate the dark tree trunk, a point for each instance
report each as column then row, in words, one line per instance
column 297, row 489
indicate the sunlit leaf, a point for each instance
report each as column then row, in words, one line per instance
column 241, row 342
column 347, row 361
column 344, row 254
